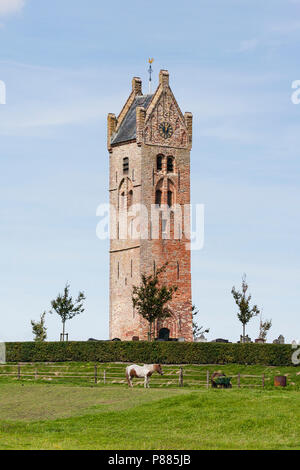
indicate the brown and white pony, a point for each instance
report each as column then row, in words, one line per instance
column 144, row 372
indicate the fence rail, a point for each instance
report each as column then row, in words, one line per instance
column 99, row 373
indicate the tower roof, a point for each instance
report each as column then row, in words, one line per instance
column 127, row 129
column 142, row 116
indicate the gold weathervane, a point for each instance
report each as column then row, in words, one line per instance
column 150, row 73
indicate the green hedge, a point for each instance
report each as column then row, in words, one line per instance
column 144, row 352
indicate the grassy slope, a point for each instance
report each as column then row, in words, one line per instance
column 118, row 418
column 191, row 373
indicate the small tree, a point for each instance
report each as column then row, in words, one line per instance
column 243, row 302
column 150, row 300
column 38, row 329
column 197, row 330
column 264, row 327
column 66, row 308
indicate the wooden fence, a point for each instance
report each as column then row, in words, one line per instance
column 105, row 374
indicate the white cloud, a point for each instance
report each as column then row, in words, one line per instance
column 287, row 27
column 8, row 7
column 248, row 45
column 47, row 97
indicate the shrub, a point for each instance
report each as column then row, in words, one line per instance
column 150, row 352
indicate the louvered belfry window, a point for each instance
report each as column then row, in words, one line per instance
column 125, row 165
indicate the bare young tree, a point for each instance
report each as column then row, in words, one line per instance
column 264, row 327
column 66, row 307
column 150, row 299
column 197, row 330
column 242, row 300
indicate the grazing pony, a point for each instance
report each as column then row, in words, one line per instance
column 144, row 372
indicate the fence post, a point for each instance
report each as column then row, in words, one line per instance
column 35, row 374
column 19, row 371
column 96, row 374
column 207, row 379
column 180, row 377
column 239, row 380
column 263, row 380
column 104, row 376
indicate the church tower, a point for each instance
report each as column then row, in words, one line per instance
column 149, row 144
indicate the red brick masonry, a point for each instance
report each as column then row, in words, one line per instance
column 139, row 185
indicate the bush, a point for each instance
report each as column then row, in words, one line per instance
column 156, row 352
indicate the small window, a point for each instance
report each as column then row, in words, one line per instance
column 125, row 165
column 170, row 165
column 158, row 197
column 159, row 162
column 170, row 198
column 177, row 270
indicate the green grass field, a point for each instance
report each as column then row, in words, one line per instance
column 64, row 415
column 194, row 376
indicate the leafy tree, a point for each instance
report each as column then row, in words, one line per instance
column 243, row 302
column 38, row 329
column 264, row 327
column 66, row 307
column 197, row 330
column 150, row 299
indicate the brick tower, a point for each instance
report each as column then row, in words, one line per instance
column 149, row 145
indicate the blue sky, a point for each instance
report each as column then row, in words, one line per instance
column 66, row 64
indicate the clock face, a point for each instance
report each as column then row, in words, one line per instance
column 165, row 130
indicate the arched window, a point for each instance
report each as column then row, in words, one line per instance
column 125, row 199
column 159, row 159
column 170, row 165
column 158, row 195
column 171, row 193
column 170, row 198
